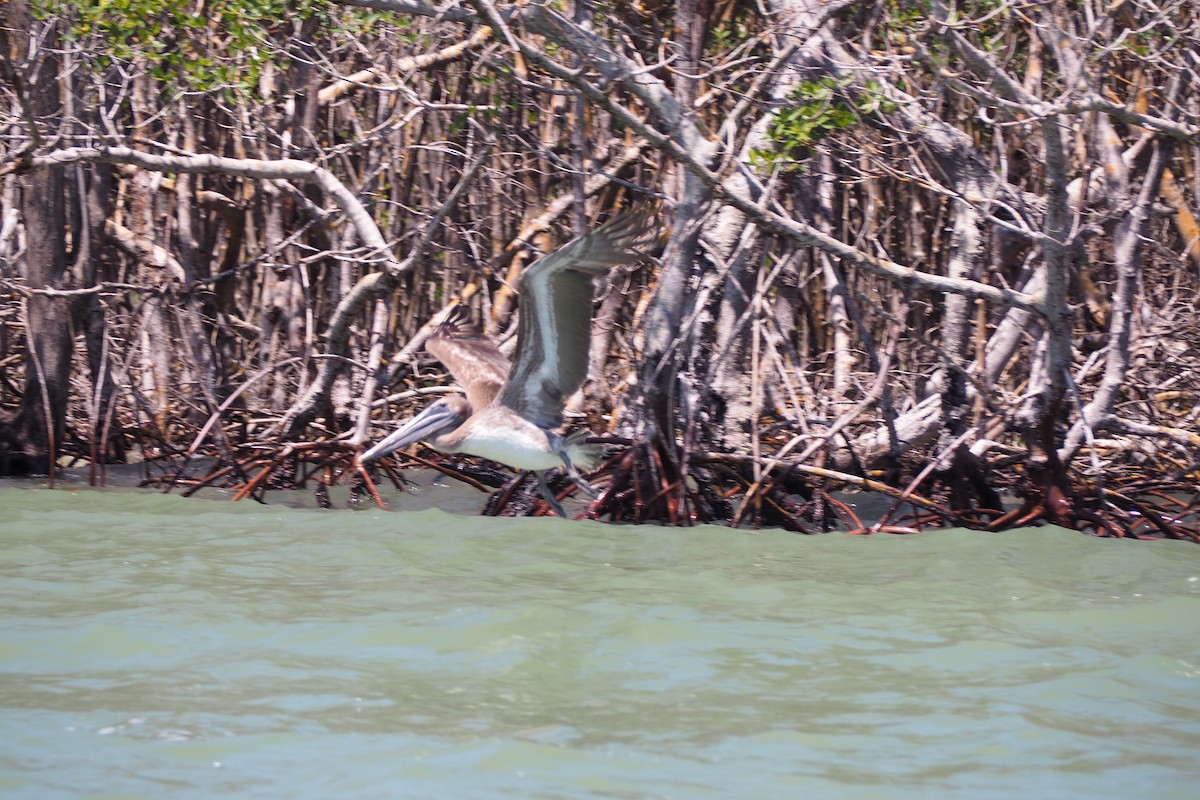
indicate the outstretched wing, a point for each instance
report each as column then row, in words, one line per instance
column 477, row 364
column 554, row 330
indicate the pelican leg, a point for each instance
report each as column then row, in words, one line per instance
column 573, row 473
column 549, row 495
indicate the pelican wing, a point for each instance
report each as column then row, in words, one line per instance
column 554, row 330
column 476, row 364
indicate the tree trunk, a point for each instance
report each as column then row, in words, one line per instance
column 30, row 438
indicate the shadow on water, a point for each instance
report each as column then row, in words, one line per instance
column 154, row 646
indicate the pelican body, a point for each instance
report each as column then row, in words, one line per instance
column 510, row 413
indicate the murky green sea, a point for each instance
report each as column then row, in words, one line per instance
column 157, row 647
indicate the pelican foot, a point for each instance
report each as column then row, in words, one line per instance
column 583, row 485
column 549, row 495
column 573, row 473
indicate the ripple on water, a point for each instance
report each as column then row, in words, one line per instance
column 153, row 646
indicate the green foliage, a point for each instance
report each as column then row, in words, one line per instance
column 198, row 46
column 1144, row 43
column 984, row 22
column 905, row 14
column 820, row 108
column 726, row 36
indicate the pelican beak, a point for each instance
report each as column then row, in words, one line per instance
column 429, row 423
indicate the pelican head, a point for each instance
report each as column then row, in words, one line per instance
column 443, row 416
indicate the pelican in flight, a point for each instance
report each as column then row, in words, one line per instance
column 510, row 414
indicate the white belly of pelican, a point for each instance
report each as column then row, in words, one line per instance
column 516, row 448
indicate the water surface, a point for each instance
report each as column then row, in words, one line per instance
column 153, row 646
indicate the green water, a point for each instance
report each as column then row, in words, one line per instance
column 157, row 647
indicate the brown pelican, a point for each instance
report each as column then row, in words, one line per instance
column 509, row 415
